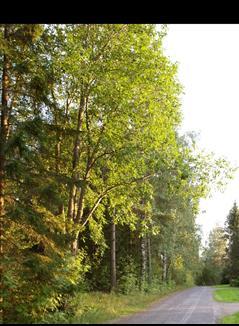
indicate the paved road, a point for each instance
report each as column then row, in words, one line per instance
column 191, row 306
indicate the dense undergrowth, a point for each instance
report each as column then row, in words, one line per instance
column 97, row 307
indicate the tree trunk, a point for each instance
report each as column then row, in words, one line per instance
column 113, row 255
column 61, row 208
column 58, row 155
column 75, row 160
column 80, row 209
column 143, row 261
column 149, row 260
column 164, row 261
column 4, row 132
column 74, row 245
column 113, row 276
column 72, row 209
column 168, row 268
column 57, row 168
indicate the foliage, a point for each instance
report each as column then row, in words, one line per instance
column 220, row 258
column 98, row 307
column 89, row 137
column 232, row 234
column 127, row 283
column 235, row 282
column 214, row 258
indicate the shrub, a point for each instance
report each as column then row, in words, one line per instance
column 128, row 280
column 234, row 282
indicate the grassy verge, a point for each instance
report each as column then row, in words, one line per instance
column 221, row 286
column 98, row 307
column 232, row 319
column 103, row 307
column 227, row 295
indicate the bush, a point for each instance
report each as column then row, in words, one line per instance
column 40, row 286
column 189, row 280
column 234, row 282
column 158, row 287
column 128, row 280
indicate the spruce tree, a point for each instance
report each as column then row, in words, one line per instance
column 232, row 230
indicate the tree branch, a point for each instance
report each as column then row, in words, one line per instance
column 105, row 192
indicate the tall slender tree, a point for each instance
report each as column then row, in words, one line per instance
column 232, row 233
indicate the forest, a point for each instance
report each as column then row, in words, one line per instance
column 99, row 189
column 220, row 258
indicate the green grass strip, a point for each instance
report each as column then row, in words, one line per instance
column 227, row 295
column 221, row 286
column 232, row 319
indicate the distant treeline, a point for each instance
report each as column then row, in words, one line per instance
column 220, row 258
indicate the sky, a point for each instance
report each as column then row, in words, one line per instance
column 208, row 69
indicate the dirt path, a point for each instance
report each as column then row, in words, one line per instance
column 191, row 306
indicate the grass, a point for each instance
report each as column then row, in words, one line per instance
column 227, row 294
column 232, row 319
column 98, row 307
column 221, row 286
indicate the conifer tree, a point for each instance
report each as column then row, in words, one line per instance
column 232, row 233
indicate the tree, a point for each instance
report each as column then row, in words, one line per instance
column 232, row 234
column 89, row 147
column 214, row 258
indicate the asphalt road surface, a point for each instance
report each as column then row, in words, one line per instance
column 191, row 306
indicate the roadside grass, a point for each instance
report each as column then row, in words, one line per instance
column 99, row 307
column 95, row 308
column 232, row 319
column 227, row 294
column 221, row 286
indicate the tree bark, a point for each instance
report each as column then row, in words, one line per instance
column 57, row 169
column 58, row 154
column 164, row 261
column 149, row 259
column 75, row 159
column 72, row 209
column 113, row 255
column 4, row 132
column 143, row 261
column 80, row 209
